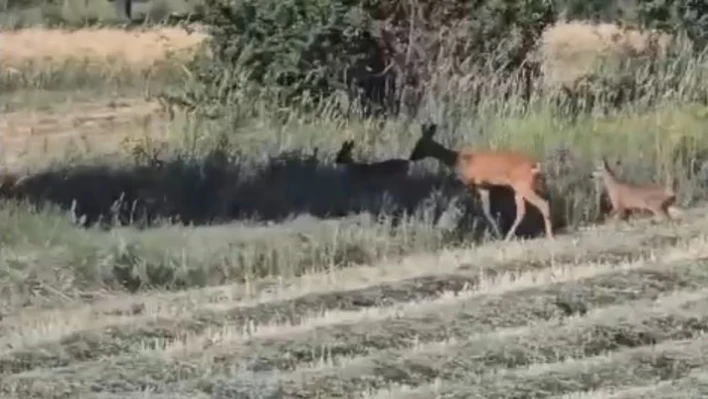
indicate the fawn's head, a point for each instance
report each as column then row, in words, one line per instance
column 420, row 150
column 345, row 153
column 602, row 168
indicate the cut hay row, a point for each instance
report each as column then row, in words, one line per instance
column 483, row 364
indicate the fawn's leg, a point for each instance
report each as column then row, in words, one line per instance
column 520, row 212
column 543, row 207
column 617, row 214
column 661, row 213
column 623, row 214
column 487, row 210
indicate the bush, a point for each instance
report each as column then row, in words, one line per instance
column 689, row 16
column 379, row 54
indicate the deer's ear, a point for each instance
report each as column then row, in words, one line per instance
column 429, row 130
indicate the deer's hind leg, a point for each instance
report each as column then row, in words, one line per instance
column 543, row 207
column 520, row 212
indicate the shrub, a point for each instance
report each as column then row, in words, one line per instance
column 374, row 52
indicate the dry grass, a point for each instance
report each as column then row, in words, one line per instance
column 572, row 50
column 96, row 60
column 39, row 138
column 139, row 49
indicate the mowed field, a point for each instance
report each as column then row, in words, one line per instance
column 611, row 311
column 353, row 307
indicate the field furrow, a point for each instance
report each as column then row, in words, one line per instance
column 373, row 372
column 566, row 292
column 548, row 343
column 694, row 385
column 625, row 368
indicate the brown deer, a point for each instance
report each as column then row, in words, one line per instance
column 387, row 168
column 625, row 197
column 486, row 168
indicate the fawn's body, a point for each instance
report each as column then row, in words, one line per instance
column 625, row 196
column 390, row 167
column 483, row 169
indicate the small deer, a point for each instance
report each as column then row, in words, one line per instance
column 483, row 169
column 625, row 197
column 387, row 168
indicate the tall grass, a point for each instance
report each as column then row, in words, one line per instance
column 658, row 130
column 254, row 163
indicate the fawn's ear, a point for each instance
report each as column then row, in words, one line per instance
column 604, row 163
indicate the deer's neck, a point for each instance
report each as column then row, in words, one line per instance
column 444, row 155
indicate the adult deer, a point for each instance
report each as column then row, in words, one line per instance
column 624, row 196
column 387, row 168
column 486, row 168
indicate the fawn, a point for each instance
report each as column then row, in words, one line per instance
column 389, row 167
column 483, row 169
column 625, row 196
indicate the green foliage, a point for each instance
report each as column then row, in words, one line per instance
column 603, row 10
column 516, row 23
column 689, row 16
column 300, row 51
column 293, row 48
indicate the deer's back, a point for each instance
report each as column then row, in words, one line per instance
column 495, row 167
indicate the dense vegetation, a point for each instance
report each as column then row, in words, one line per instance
column 387, row 55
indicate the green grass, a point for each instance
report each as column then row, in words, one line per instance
column 47, row 249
